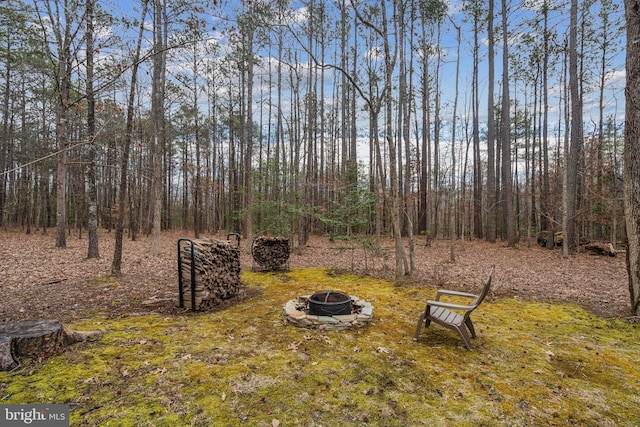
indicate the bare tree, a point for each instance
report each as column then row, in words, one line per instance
column 570, row 193
column 116, row 264
column 64, row 22
column 158, row 121
column 505, row 135
column 402, row 266
column 452, row 252
column 476, row 11
column 547, row 221
column 92, row 251
column 491, row 161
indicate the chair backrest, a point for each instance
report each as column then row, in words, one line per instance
column 485, row 290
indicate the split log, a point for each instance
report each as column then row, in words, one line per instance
column 35, row 339
column 216, row 272
column 599, row 248
column 270, row 253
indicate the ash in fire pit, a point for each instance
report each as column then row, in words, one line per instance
column 329, row 310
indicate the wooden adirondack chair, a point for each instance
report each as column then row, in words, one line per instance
column 453, row 316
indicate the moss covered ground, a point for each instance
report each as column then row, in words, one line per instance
column 532, row 364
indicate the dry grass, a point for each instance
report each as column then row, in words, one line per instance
column 533, row 363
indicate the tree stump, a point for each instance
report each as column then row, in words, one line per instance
column 36, row 339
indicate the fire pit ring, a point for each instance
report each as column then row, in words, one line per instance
column 330, row 303
column 296, row 311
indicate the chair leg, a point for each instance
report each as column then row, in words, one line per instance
column 420, row 321
column 465, row 336
column 469, row 324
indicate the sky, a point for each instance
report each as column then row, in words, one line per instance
column 519, row 12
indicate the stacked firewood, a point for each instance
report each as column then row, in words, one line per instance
column 217, row 272
column 270, row 253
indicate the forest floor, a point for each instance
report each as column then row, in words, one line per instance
column 42, row 282
column 539, row 357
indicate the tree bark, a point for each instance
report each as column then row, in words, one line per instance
column 452, row 250
column 92, row 251
column 37, row 339
column 402, row 266
column 491, row 161
column 570, row 193
column 61, row 27
column 157, row 114
column 475, row 97
column 248, row 129
column 116, row 264
column 632, row 152
column 505, row 136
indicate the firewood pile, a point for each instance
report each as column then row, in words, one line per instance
column 600, row 248
column 544, row 236
column 217, row 272
column 270, row 253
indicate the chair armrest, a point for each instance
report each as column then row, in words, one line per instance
column 454, row 293
column 450, row 306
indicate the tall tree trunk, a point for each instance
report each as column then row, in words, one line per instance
column 402, row 266
column 157, row 114
column 571, row 191
column 425, row 164
column 116, row 264
column 505, row 130
column 404, row 122
column 4, row 138
column 477, row 164
column 60, row 22
column 452, row 252
column 632, row 152
column 92, row 251
column 197, row 190
column 409, row 201
column 491, row 161
column 435, row 192
column 248, row 136
column 62, row 137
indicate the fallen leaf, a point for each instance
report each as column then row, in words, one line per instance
column 294, row 346
column 275, row 423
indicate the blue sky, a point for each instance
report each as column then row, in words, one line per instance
column 520, row 12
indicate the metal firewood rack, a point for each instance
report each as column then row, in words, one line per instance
column 192, row 275
column 181, row 276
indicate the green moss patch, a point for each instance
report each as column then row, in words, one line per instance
column 532, row 364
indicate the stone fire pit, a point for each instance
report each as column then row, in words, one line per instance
column 297, row 312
